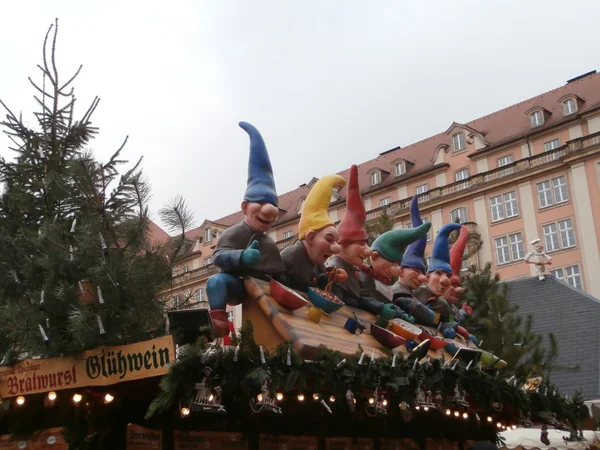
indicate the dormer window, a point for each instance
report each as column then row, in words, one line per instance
column 375, row 178
column 208, row 235
column 537, row 118
column 400, row 168
column 569, row 106
column 458, row 141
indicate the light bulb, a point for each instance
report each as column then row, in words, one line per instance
column 514, row 427
column 489, row 418
column 108, row 398
column 211, row 397
column 77, row 398
column 371, row 401
column 499, row 425
column 20, row 400
column 279, row 396
column 315, row 396
column 185, row 412
column 259, row 397
column 332, row 399
column 456, row 413
column 425, row 408
column 465, row 415
column 417, row 407
column 448, row 412
column 300, row 397
column 384, row 402
column 51, row 396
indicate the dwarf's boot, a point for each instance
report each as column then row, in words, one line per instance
column 220, row 322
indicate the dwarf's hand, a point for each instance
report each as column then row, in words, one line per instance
column 251, row 255
column 340, row 276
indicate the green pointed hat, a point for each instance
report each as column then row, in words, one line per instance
column 392, row 244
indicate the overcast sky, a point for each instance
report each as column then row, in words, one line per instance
column 328, row 83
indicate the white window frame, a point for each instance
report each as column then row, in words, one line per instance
column 400, row 168
column 375, row 177
column 185, row 269
column 426, row 219
column 427, row 260
column 200, row 295
column 568, row 110
column 551, row 145
column 559, row 235
column 459, row 142
column 537, row 118
column 288, row 234
column 555, row 192
column 504, row 206
column 385, row 201
column 208, row 235
column 509, row 248
column 505, row 160
column 422, row 188
column 462, row 174
column 459, row 216
column 176, row 301
column 569, row 274
column 208, row 261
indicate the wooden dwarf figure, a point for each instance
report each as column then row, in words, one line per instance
column 538, row 257
column 318, row 239
column 246, row 249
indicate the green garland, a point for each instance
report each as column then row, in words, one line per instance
column 332, row 373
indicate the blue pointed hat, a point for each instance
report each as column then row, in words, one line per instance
column 261, row 185
column 440, row 254
column 413, row 257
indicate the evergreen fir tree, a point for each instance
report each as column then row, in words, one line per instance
column 77, row 267
column 384, row 223
column 503, row 331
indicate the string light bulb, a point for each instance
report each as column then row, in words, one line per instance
column 465, row 415
column 425, row 408
column 300, row 397
column 332, row 399
column 20, row 400
column 499, row 425
column 211, row 397
column 371, row 401
column 315, row 396
column 514, row 427
column 417, row 407
column 108, row 398
column 51, row 396
column 489, row 418
column 185, row 411
column 384, row 402
column 456, row 413
column 448, row 412
column 259, row 397
column 279, row 396
column 77, row 398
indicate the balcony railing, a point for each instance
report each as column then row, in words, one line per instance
column 193, row 275
column 286, row 242
column 517, row 167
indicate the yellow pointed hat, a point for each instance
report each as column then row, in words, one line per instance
column 314, row 214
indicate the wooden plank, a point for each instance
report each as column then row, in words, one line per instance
column 274, row 324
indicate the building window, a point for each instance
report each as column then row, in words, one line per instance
column 400, row 169
column 185, row 269
column 176, row 301
column 552, row 192
column 509, row 248
column 458, row 140
column 208, row 261
column 551, row 145
column 422, row 188
column 462, row 174
column 459, row 215
column 208, row 235
column 537, row 119
column 559, row 235
column 287, row 234
column 426, row 219
column 504, row 206
column 570, row 274
column 465, row 265
column 427, row 261
column 569, row 106
column 375, row 178
column 505, row 160
column 385, row 201
column 200, row 298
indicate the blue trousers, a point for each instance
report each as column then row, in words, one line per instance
column 223, row 289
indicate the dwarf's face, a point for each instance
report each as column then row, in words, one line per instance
column 260, row 216
column 355, row 252
column 438, row 282
column 413, row 278
column 539, row 248
column 384, row 267
column 322, row 244
column 454, row 292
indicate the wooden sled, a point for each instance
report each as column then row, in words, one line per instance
column 274, row 324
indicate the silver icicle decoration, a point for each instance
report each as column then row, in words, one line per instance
column 43, row 333
column 394, row 360
column 71, row 254
column 102, row 242
column 372, row 357
column 42, row 294
column 100, row 296
column 289, row 356
column 236, row 355
column 341, row 363
column 325, row 405
column 73, row 225
column 100, row 325
column 362, row 359
column 262, row 355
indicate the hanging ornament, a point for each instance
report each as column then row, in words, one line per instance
column 350, row 400
column 100, row 325
column 43, row 333
column 423, row 400
column 73, row 224
column 71, row 253
column 376, row 405
column 544, row 436
column 100, row 296
column 42, row 294
column 264, row 403
column 289, row 356
column 207, row 398
column 405, row 412
column 459, row 397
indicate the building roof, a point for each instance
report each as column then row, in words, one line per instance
column 573, row 316
column 497, row 128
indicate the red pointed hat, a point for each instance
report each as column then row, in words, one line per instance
column 352, row 226
column 457, row 251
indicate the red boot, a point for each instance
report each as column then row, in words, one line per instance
column 220, row 322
